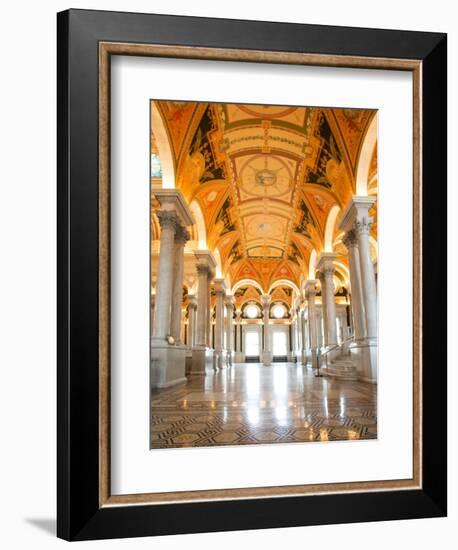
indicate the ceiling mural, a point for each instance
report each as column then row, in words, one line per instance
column 266, row 178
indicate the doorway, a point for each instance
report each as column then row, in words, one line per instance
column 280, row 344
column 252, row 346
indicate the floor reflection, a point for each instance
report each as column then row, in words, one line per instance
column 251, row 403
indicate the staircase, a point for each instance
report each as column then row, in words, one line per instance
column 337, row 362
column 342, row 368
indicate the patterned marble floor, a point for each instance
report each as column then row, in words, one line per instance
column 250, row 403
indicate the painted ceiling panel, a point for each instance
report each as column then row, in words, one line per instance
column 266, row 178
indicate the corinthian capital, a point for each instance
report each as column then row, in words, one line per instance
column 202, row 270
column 350, row 239
column 168, row 219
column 363, row 226
column 182, row 236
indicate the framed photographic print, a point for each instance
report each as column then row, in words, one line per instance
column 252, row 274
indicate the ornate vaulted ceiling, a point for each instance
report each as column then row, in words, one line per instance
column 265, row 178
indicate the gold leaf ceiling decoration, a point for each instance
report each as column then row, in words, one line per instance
column 265, row 178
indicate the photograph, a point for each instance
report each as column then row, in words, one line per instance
column 263, row 274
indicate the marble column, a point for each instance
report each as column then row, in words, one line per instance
column 267, row 351
column 292, row 314
column 152, row 308
column 362, row 229
column 238, row 347
column 202, row 304
column 165, row 274
column 324, row 314
column 210, row 340
column 202, row 355
column 229, row 327
column 310, row 294
column 326, row 267
column 220, row 352
column 168, row 359
column 298, row 335
column 303, row 338
column 192, row 307
column 181, row 237
column 356, row 218
column 350, row 240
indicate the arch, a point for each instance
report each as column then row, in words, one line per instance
column 219, row 267
column 365, row 158
column 374, row 246
column 247, row 282
column 200, row 224
column 283, row 282
column 164, row 147
column 343, row 270
column 329, row 228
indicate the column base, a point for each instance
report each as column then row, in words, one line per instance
column 230, row 359
column 366, row 354
column 239, row 357
column 266, row 358
column 168, row 365
column 202, row 360
column 220, row 359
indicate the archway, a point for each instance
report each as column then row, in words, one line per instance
column 365, row 157
column 163, row 145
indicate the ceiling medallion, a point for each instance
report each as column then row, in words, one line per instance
column 265, row 177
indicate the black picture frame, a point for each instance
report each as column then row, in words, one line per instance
column 79, row 515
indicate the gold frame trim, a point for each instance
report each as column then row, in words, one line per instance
column 106, row 50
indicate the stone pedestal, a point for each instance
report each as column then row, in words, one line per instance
column 202, row 360
column 364, row 356
column 168, row 365
column 266, row 358
column 220, row 359
column 239, row 357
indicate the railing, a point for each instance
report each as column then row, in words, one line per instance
column 359, row 343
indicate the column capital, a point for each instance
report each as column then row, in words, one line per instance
column 363, row 226
column 168, row 219
column 229, row 301
column 310, row 288
column 192, row 301
column 205, row 257
column 325, row 266
column 265, row 300
column 172, row 200
column 182, row 235
column 350, row 239
column 357, row 209
column 202, row 269
column 220, row 286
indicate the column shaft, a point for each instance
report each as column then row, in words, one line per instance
column 357, row 299
column 202, row 306
column 267, row 351
column 219, row 320
column 330, row 307
column 362, row 229
column 324, row 309
column 181, row 236
column 169, row 222
column 310, row 293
